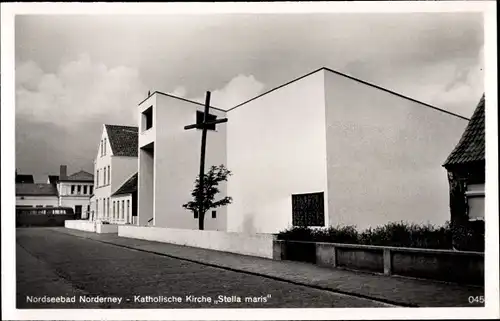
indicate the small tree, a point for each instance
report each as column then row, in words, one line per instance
column 211, row 181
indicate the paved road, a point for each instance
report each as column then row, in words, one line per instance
column 51, row 265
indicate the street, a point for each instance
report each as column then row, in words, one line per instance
column 57, row 270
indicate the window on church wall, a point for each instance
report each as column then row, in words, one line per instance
column 210, row 117
column 214, row 214
column 84, row 189
column 91, row 190
column 147, row 119
column 114, row 208
column 104, row 146
column 308, row 209
column 72, row 189
column 109, row 174
column 97, row 207
column 123, row 210
column 104, row 175
column 109, row 206
column 97, row 179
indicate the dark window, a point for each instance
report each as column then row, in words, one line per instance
column 91, row 189
column 214, row 214
column 84, row 189
column 72, row 189
column 147, row 117
column 199, row 119
column 79, row 189
column 195, row 214
column 308, row 209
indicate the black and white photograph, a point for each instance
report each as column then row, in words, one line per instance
column 230, row 159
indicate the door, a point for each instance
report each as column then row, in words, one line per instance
column 78, row 212
column 308, row 209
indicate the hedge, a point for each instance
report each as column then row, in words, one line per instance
column 398, row 234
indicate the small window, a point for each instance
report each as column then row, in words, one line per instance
column 79, row 189
column 199, row 119
column 147, row 119
column 214, row 214
column 195, row 214
column 72, row 189
column 104, row 146
column 104, row 175
column 91, row 189
column 109, row 174
column 84, row 189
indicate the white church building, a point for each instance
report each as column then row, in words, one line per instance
column 321, row 150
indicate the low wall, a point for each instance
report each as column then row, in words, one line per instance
column 82, row 225
column 443, row 265
column 106, row 228
column 260, row 245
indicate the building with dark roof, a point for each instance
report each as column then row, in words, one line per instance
column 124, row 201
column 320, row 150
column 60, row 190
column 53, row 179
column 466, row 171
column 114, row 165
column 24, row 178
column 36, row 195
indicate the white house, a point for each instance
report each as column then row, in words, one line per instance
column 36, row 195
column 65, row 191
column 124, row 202
column 323, row 149
column 115, row 163
column 75, row 191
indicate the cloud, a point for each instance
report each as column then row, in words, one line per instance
column 59, row 116
column 463, row 92
column 179, row 92
column 81, row 90
column 237, row 90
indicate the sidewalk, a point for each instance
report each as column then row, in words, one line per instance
column 393, row 290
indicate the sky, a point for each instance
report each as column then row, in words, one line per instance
column 75, row 73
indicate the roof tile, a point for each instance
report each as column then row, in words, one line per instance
column 28, row 189
column 124, row 140
column 471, row 147
column 128, row 187
column 81, row 176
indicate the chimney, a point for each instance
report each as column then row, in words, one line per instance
column 63, row 172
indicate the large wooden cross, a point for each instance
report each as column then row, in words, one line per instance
column 204, row 127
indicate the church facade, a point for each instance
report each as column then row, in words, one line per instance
column 324, row 149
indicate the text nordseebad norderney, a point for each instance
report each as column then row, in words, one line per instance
column 147, row 299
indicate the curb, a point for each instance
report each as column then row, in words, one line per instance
column 275, row 278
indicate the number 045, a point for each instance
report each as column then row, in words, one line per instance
column 476, row 299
